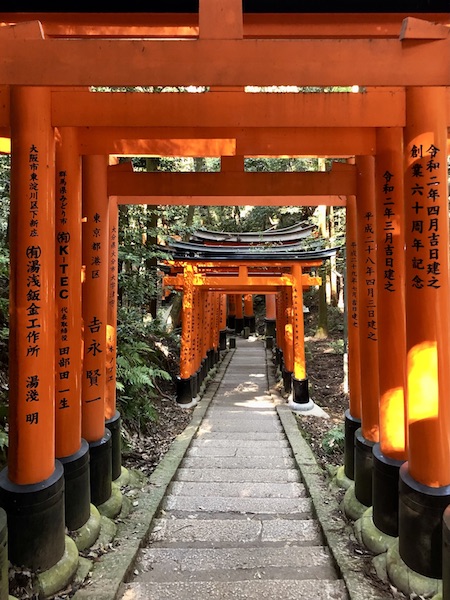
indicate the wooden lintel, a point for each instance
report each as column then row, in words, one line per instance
column 419, row 29
column 261, row 62
column 375, row 108
column 267, row 200
column 201, row 141
column 182, row 25
column 232, row 183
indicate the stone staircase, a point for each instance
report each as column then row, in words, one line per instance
column 237, row 522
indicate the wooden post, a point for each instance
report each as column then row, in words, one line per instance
column 270, row 320
column 71, row 449
column 300, row 390
column 231, row 313
column 390, row 452
column 184, row 383
column 239, row 321
column 95, row 250
column 353, row 413
column 425, row 477
column 31, row 487
column 112, row 415
column 368, row 434
column 249, row 315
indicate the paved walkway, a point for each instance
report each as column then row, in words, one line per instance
column 237, row 522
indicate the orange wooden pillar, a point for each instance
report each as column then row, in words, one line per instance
column 112, row 415
column 71, row 449
column 271, row 317
column 223, row 322
column 231, row 311
column 353, row 413
column 95, row 251
column 390, row 452
column 367, row 435
column 281, row 323
column 216, row 326
column 300, row 388
column 32, row 485
column 239, row 320
column 288, row 341
column 249, row 315
column 425, row 477
column 186, row 390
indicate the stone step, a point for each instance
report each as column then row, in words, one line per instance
column 239, row 425
column 238, row 475
column 241, row 462
column 249, row 435
column 243, row 532
column 241, row 590
column 241, row 490
column 231, row 451
column 238, row 505
column 241, row 443
column 215, row 564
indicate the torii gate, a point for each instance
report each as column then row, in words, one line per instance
column 399, row 308
column 283, row 276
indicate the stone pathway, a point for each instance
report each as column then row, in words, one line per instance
column 236, row 521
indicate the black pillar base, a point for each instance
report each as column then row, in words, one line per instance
column 271, row 330
column 351, row 425
column 252, row 324
column 269, row 342
column 195, row 384
column 278, row 356
column 184, row 390
column 446, row 555
column 222, row 339
column 4, row 587
column 300, row 391
column 232, row 342
column 77, row 493
column 385, row 492
column 35, row 515
column 363, row 468
column 216, row 356
column 231, row 321
column 287, row 380
column 114, row 425
column 238, row 325
column 420, row 514
column 101, row 468
column 210, row 357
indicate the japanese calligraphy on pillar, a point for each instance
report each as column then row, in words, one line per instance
column 62, row 250
column 369, row 257
column 353, row 285
column 112, row 290
column 95, row 327
column 425, row 192
column 387, row 253
column 33, row 297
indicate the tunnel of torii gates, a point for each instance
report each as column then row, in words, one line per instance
column 65, row 141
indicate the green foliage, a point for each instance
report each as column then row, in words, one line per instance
column 142, row 363
column 333, row 440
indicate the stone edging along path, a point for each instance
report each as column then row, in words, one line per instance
column 132, row 531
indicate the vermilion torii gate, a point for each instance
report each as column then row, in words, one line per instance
column 395, row 193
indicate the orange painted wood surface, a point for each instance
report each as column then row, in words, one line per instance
column 427, row 286
column 353, row 319
column 31, row 455
column 231, row 184
column 391, row 323
column 261, row 62
column 367, row 297
column 95, row 250
column 69, row 347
